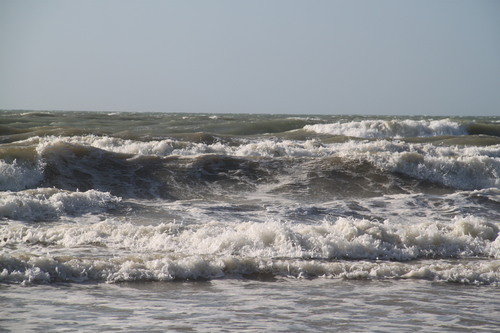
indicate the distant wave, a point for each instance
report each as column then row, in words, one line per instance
column 390, row 128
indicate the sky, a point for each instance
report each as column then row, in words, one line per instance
column 384, row 57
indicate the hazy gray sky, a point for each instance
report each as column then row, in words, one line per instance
column 429, row 57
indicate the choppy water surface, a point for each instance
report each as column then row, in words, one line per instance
column 248, row 222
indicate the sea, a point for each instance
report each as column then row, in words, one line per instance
column 176, row 222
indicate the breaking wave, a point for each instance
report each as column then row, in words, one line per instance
column 49, row 203
column 345, row 248
column 391, row 128
column 164, row 168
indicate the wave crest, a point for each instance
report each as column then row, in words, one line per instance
column 390, row 128
column 49, row 203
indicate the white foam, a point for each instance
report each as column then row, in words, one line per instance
column 49, row 203
column 19, row 176
column 164, row 147
column 458, row 167
column 127, row 252
column 390, row 128
column 46, row 269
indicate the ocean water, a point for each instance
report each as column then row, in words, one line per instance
column 223, row 222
